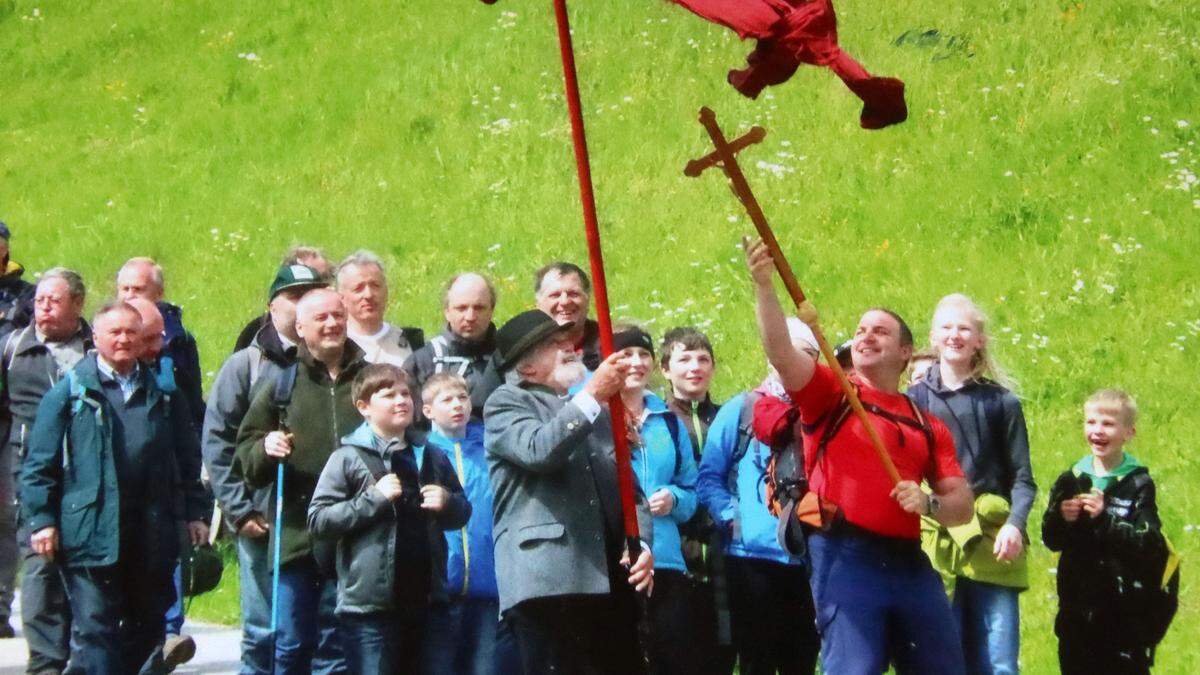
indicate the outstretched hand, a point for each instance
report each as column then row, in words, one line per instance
column 758, row 259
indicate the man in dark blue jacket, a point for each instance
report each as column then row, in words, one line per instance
column 111, row 466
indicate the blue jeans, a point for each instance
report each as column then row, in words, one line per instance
column 306, row 639
column 464, row 636
column 383, row 642
column 254, row 584
column 175, row 611
column 989, row 621
column 879, row 601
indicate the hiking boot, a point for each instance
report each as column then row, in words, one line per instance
column 178, row 650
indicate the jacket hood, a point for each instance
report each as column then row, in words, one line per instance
column 1085, row 467
column 933, row 380
column 362, row 437
column 654, row 404
column 12, row 270
column 172, row 321
column 27, row 337
column 474, row 348
column 268, row 341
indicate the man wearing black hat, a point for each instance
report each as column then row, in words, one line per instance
column 558, row 525
column 272, row 350
column 16, row 294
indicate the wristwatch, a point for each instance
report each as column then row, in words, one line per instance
column 934, row 505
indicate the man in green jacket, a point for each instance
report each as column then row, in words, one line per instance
column 112, row 463
column 301, row 432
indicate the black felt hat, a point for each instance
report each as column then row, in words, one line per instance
column 524, row 332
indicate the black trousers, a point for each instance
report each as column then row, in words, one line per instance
column 578, row 634
column 1089, row 650
column 120, row 612
column 774, row 622
column 672, row 642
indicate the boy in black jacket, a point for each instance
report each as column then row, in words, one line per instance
column 1103, row 518
column 386, row 502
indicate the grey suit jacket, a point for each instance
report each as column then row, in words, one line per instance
column 554, row 476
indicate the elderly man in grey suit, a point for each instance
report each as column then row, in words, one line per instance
column 566, row 585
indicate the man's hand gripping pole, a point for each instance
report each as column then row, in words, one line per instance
column 724, row 156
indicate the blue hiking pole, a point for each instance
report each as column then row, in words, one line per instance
column 275, row 565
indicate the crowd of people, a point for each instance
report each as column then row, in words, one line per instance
column 452, row 505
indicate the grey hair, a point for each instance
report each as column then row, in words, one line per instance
column 360, row 258
column 74, row 282
column 156, row 270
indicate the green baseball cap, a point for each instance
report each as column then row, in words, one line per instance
column 295, row 276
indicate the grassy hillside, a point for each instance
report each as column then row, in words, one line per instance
column 1048, row 169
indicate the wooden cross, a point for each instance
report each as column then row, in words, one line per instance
column 725, row 156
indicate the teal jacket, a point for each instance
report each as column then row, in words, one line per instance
column 664, row 460
column 69, row 478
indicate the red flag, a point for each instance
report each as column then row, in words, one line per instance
column 791, row 32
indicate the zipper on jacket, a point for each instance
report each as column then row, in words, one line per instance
column 462, row 478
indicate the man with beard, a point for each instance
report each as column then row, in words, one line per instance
column 560, row 553
column 466, row 343
column 363, row 285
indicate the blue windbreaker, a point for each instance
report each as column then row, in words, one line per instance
column 471, row 556
column 739, row 506
column 663, row 462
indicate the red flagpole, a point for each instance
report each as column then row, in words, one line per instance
column 599, row 285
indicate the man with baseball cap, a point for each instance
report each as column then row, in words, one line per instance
column 560, row 553
column 272, row 350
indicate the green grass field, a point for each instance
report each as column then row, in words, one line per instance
column 1048, row 169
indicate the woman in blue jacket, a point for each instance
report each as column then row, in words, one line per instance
column 666, row 470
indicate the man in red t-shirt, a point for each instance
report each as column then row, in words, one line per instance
column 878, row 599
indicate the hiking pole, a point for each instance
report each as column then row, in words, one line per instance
column 725, row 156
column 617, row 413
column 277, row 546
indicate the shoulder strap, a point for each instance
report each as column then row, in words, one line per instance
column 10, row 348
column 673, row 428
column 256, row 363
column 285, row 383
column 373, row 462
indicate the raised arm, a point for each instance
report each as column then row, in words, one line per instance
column 795, row 368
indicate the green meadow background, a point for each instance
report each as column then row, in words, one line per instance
column 1048, row 169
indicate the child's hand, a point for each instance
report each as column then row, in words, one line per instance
column 434, row 497
column 1009, row 543
column 662, row 502
column 1093, row 503
column 1070, row 509
column 389, row 486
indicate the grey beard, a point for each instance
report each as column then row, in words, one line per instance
column 569, row 374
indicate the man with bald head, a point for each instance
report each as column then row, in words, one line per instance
column 179, row 648
column 34, row 359
column 301, row 433
column 468, row 340
column 271, row 350
column 112, row 466
column 143, row 278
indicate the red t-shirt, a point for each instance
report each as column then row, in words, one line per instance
column 850, row 474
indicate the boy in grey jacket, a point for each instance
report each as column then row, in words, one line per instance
column 386, row 502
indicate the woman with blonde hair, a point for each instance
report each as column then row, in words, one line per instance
column 984, row 562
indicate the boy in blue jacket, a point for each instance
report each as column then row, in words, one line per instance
column 465, row 632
